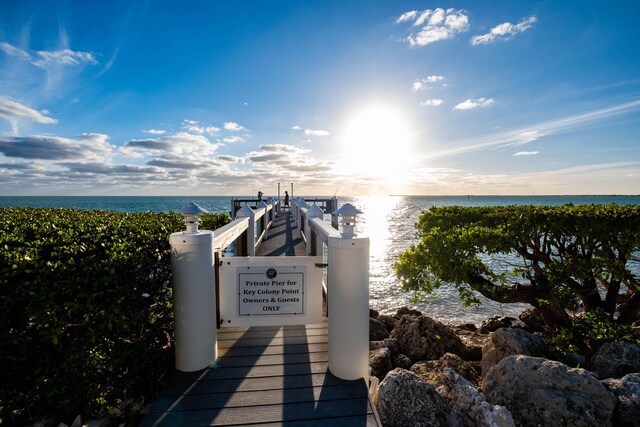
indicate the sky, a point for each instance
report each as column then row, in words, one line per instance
column 365, row 97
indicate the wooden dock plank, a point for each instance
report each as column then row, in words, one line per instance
column 288, row 412
column 178, row 388
column 193, row 402
column 274, row 349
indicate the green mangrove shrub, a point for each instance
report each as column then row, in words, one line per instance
column 559, row 259
column 86, row 309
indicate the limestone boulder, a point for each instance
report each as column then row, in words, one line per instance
column 541, row 392
column 496, row 322
column 465, row 399
column 507, row 342
column 406, row 400
column 615, row 360
column 402, row 311
column 420, row 338
column 390, row 343
column 389, row 322
column 627, row 392
column 380, row 362
column 431, row 371
column 402, row 361
column 377, row 331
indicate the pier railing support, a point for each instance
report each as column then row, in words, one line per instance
column 194, row 296
column 246, row 211
column 348, row 299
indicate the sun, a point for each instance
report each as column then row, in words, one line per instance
column 376, row 143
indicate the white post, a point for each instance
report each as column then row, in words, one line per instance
column 265, row 218
column 194, row 297
column 314, row 211
column 348, row 277
column 246, row 211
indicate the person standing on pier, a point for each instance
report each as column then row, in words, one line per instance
column 286, row 199
column 259, row 196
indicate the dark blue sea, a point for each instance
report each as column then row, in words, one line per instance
column 387, row 220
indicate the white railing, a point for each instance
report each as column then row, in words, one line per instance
column 248, row 230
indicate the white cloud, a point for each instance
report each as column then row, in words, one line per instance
column 423, row 83
column 88, row 146
column 232, row 139
column 470, row 104
column 45, row 58
column 431, row 102
column 155, row 131
column 311, row 132
column 407, row 16
column 430, row 26
column 526, row 153
column 232, row 126
column 318, row 132
column 199, row 128
column 230, row 159
column 14, row 112
column 504, row 31
column 178, row 144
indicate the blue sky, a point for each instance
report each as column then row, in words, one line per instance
column 358, row 97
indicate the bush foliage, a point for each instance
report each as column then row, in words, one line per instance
column 560, row 259
column 86, row 309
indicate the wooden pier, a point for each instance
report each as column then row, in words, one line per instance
column 267, row 375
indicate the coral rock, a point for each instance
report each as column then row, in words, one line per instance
column 406, row 400
column 423, row 338
column 541, row 392
column 507, row 342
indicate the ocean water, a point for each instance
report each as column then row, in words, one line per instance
column 387, row 220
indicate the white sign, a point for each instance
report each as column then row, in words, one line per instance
column 270, row 291
column 266, row 291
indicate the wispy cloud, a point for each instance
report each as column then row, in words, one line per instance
column 46, row 58
column 532, row 133
column 431, row 102
column 424, row 83
column 525, row 153
column 430, row 26
column 470, row 104
column 504, row 31
column 155, row 131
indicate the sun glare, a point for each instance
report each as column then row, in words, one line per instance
column 376, row 143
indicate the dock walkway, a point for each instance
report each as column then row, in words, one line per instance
column 284, row 238
column 267, row 375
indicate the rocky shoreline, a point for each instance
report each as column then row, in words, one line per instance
column 425, row 373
